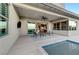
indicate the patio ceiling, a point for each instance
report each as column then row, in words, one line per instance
column 24, row 11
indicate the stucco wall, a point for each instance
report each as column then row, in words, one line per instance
column 74, row 32
column 7, row 41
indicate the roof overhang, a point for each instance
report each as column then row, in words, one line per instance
column 56, row 9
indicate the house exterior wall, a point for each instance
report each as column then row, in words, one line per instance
column 70, row 32
column 7, row 41
column 24, row 28
column 74, row 32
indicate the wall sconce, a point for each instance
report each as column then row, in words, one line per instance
column 19, row 24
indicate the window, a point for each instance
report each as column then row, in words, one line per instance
column 57, row 26
column 4, row 9
column 54, row 26
column 65, row 25
column 31, row 28
column 3, row 19
column 72, row 25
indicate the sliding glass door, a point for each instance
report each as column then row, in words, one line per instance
column 3, row 19
column 31, row 28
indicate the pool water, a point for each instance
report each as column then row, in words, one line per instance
column 66, row 47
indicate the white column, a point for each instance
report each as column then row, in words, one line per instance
column 50, row 26
column 24, row 27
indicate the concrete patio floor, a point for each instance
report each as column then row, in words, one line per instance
column 27, row 45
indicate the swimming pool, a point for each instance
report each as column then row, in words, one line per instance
column 66, row 47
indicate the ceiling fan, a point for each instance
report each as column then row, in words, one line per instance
column 44, row 18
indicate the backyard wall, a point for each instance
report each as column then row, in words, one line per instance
column 8, row 40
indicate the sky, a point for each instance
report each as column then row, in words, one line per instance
column 73, row 7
